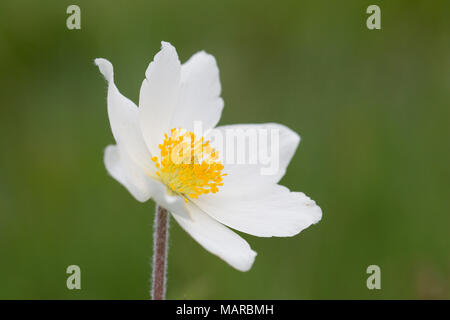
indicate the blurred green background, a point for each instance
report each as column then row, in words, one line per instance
column 372, row 108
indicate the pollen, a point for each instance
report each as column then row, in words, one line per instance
column 188, row 166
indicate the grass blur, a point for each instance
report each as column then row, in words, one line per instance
column 372, row 107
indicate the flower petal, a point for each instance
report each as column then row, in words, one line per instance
column 123, row 118
column 159, row 96
column 124, row 170
column 121, row 167
column 142, row 187
column 217, row 239
column 264, row 210
column 199, row 93
column 272, row 145
column 174, row 204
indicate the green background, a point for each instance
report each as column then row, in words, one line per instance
column 372, row 108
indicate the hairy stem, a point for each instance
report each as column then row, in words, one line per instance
column 160, row 244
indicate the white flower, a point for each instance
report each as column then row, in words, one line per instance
column 174, row 96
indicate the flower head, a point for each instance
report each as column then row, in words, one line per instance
column 185, row 168
column 159, row 155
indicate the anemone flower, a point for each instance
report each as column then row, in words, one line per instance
column 204, row 193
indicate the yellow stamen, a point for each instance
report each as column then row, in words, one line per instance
column 187, row 165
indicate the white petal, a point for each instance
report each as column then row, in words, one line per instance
column 264, row 210
column 217, row 239
column 199, row 93
column 273, row 146
column 159, row 96
column 123, row 118
column 123, row 169
column 174, row 204
column 142, row 187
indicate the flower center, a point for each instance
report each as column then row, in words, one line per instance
column 188, row 166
